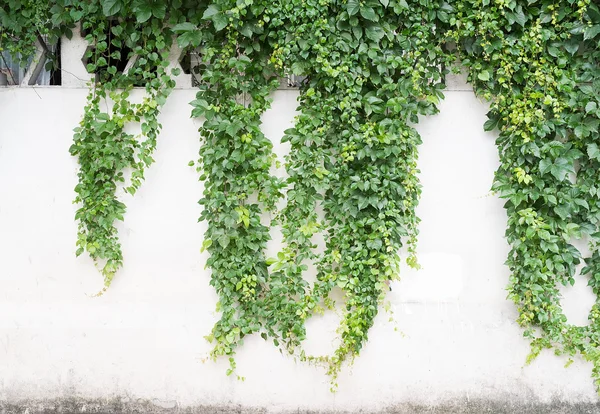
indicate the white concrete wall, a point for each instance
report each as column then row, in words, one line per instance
column 144, row 338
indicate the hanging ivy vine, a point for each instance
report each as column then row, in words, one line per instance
column 235, row 160
column 104, row 148
column 374, row 67
column 536, row 61
column 371, row 68
column 117, row 33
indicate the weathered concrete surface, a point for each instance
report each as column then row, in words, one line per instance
column 119, row 406
column 457, row 348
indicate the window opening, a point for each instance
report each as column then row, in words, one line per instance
column 41, row 69
column 120, row 56
column 192, row 65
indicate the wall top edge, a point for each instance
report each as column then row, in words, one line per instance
column 59, row 87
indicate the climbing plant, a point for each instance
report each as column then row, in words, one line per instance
column 536, row 62
column 103, row 145
column 369, row 70
column 235, row 160
column 353, row 152
column 25, row 23
column 20, row 23
column 373, row 68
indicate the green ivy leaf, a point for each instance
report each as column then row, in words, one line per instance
column 545, row 165
column 369, row 13
column 143, row 14
column 234, row 127
column 561, row 168
column 593, row 151
column 581, row 131
column 184, row 27
column 191, row 38
column 224, row 241
column 591, row 107
column 572, row 46
column 111, row 7
column 374, row 32
column 553, row 51
column 205, row 245
column 353, row 7
column 159, row 10
column 146, row 9
column 117, row 30
column 220, row 21
column 491, row 124
column 591, row 32
column 211, row 11
column 298, row 68
column 76, row 15
column 400, row 6
column 519, row 16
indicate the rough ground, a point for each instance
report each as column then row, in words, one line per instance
column 119, row 406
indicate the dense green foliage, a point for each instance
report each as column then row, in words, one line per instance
column 104, row 149
column 371, row 69
column 537, row 61
column 21, row 22
column 235, row 160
